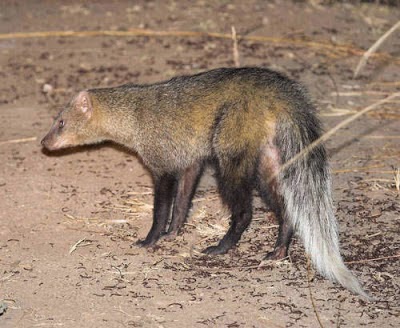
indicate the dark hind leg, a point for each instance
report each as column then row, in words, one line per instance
column 164, row 191
column 238, row 197
column 269, row 190
column 285, row 235
column 185, row 191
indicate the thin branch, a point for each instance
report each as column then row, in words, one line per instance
column 374, row 259
column 311, row 295
column 79, row 243
column 18, row 140
column 381, row 137
column 373, row 48
column 358, row 169
column 235, row 48
column 347, row 49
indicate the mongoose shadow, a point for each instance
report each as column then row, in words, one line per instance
column 70, row 151
column 244, row 122
column 84, row 148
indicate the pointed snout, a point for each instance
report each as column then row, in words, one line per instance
column 44, row 142
column 48, row 141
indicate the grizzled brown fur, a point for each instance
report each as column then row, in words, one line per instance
column 246, row 123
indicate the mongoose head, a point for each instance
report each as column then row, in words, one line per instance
column 75, row 125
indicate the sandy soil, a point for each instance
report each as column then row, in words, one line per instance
column 68, row 222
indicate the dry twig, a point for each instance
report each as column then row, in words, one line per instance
column 382, row 137
column 78, row 243
column 326, row 46
column 311, row 295
column 374, row 259
column 235, row 48
column 373, row 48
column 358, row 169
column 18, row 140
column 397, row 178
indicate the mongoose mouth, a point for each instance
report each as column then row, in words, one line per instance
column 46, row 145
column 51, row 145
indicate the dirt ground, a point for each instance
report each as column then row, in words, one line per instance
column 68, row 222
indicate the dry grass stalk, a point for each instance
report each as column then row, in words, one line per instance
column 205, row 228
column 377, row 186
column 338, row 112
column 96, row 221
column 133, row 207
column 82, row 219
column 373, row 48
column 377, row 179
column 205, row 199
column 374, row 259
column 358, row 169
column 139, row 204
column 79, row 243
column 373, row 235
column 330, row 47
column 383, row 184
column 328, row 134
column 385, row 83
column 311, row 295
column 8, row 276
column 397, row 178
column 18, row 140
column 380, row 172
column 135, row 193
column 211, row 230
column 382, row 137
column 386, row 115
column 235, row 48
column 359, row 93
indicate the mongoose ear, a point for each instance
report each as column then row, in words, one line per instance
column 84, row 104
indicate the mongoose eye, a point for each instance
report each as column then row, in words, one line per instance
column 61, row 124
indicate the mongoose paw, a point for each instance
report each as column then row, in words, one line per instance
column 169, row 235
column 276, row 254
column 145, row 243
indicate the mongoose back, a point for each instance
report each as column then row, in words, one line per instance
column 247, row 123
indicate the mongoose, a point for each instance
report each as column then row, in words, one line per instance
column 245, row 122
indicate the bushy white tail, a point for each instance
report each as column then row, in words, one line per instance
column 309, row 208
column 305, row 186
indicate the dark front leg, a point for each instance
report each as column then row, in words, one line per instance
column 185, row 191
column 164, row 191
